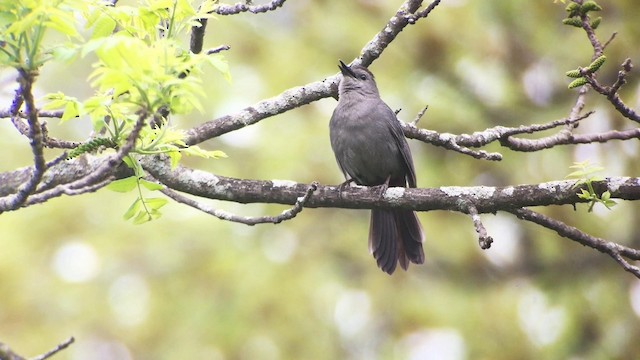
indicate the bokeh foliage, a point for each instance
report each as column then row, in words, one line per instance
column 190, row 286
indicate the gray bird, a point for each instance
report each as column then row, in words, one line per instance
column 371, row 150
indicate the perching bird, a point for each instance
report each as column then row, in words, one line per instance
column 370, row 147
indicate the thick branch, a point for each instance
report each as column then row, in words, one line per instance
column 302, row 95
column 290, row 99
column 101, row 175
column 485, row 199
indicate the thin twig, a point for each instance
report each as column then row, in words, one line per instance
column 447, row 141
column 302, row 95
column 613, row 36
column 616, row 251
column 93, row 181
column 419, row 116
column 67, row 189
column 109, row 166
column 484, row 240
column 611, row 92
column 35, row 136
column 247, row 220
column 47, row 141
column 482, row 138
column 224, row 9
column 7, row 354
column 63, row 345
column 41, row 114
column 422, row 13
column 218, row 49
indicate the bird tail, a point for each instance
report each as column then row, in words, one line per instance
column 395, row 236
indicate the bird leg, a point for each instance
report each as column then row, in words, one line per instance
column 342, row 186
column 382, row 188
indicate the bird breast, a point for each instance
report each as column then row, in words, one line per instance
column 364, row 144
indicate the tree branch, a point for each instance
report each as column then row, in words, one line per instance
column 63, row 345
column 484, row 240
column 616, row 251
column 611, row 92
column 91, row 181
column 224, row 215
column 224, row 9
column 198, row 31
column 486, row 199
column 24, row 128
column 25, row 79
column 302, row 95
column 7, row 354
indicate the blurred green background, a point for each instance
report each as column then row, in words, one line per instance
column 189, row 286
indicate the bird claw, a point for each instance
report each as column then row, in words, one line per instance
column 381, row 189
column 342, row 186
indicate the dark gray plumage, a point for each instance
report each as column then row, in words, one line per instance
column 371, row 150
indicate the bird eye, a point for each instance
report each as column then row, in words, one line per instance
column 363, row 77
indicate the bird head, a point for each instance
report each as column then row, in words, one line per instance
column 357, row 79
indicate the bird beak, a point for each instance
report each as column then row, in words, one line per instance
column 346, row 70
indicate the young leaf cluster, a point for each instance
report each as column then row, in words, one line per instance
column 23, row 26
column 580, row 73
column 585, row 173
column 576, row 12
column 140, row 66
column 143, row 209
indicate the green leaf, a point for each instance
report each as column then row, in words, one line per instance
column 579, row 164
column 71, row 111
column 123, row 185
column 151, row 185
column 218, row 61
column 584, row 194
column 609, row 204
column 65, row 53
column 142, row 217
column 576, row 174
column 133, row 164
column 174, row 157
column 207, row 154
column 104, row 26
column 133, row 209
column 579, row 183
column 57, row 100
column 92, row 45
column 63, row 25
column 155, row 203
column 596, row 22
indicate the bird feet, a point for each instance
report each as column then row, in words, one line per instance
column 382, row 188
column 342, row 186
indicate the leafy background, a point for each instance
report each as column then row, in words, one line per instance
column 190, row 286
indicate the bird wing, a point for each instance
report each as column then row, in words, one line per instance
column 403, row 146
